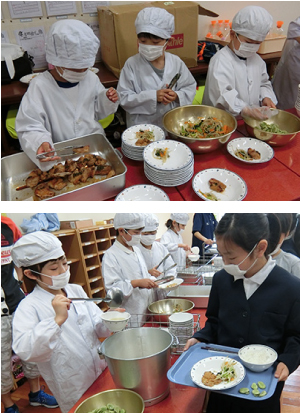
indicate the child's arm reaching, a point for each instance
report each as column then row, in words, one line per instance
column 61, row 305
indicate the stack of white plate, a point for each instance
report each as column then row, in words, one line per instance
column 181, row 325
column 129, row 139
column 177, row 169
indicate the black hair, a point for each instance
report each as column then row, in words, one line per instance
column 246, row 230
column 169, row 223
column 296, row 236
column 37, row 268
column 286, row 221
column 149, row 36
column 295, row 222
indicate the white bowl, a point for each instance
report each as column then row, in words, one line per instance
column 115, row 321
column 265, row 150
column 193, row 257
column 142, row 193
column 195, row 250
column 257, row 357
column 180, row 155
column 129, row 135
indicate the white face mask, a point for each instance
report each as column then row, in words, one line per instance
column 70, row 76
column 58, row 281
column 246, row 49
column 234, row 269
column 151, row 52
column 148, row 239
column 135, row 239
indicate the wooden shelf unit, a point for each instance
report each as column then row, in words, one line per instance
column 84, row 249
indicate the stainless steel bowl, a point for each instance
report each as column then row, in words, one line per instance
column 175, row 119
column 125, row 399
column 285, row 120
column 162, row 309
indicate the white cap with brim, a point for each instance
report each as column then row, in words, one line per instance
column 151, row 223
column 35, row 248
column 129, row 221
column 253, row 22
column 180, row 218
column 156, row 21
column 294, row 29
column 71, row 44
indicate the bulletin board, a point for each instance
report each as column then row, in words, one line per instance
column 26, row 23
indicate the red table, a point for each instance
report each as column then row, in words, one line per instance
column 276, row 180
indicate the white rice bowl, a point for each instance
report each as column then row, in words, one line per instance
column 257, row 357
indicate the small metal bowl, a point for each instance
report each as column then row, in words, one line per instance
column 126, row 399
column 285, row 121
column 176, row 118
column 162, row 309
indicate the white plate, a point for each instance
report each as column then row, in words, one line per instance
column 180, row 155
column 26, row 79
column 94, row 69
column 129, row 135
column 213, row 364
column 142, row 193
column 236, row 188
column 179, row 318
column 265, row 150
column 175, row 283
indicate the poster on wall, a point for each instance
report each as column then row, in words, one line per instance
column 91, row 6
column 4, row 37
column 60, row 8
column 32, row 40
column 25, row 9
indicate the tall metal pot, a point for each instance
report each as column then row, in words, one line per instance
column 138, row 359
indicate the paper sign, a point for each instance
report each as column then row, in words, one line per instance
column 32, row 40
column 58, row 8
column 91, row 6
column 23, row 9
column 4, row 37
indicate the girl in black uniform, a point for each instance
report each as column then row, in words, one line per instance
column 252, row 301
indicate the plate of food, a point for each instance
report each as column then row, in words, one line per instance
column 219, row 185
column 217, row 373
column 142, row 193
column 171, row 285
column 27, row 78
column 250, row 150
column 142, row 135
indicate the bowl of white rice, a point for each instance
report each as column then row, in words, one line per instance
column 257, row 357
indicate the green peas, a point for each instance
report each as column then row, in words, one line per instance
column 244, row 390
column 255, row 389
column 261, row 385
column 254, row 386
column 255, row 392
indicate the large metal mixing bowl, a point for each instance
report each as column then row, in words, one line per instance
column 176, row 118
column 125, row 399
column 285, row 121
column 162, row 309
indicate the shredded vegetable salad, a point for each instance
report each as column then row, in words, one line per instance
column 160, row 153
column 227, row 373
column 272, row 127
column 204, row 128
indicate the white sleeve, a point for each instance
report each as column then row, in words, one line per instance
column 186, row 86
column 166, row 241
column 113, row 275
column 266, row 89
column 103, row 106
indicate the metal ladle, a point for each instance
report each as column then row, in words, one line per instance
column 114, row 296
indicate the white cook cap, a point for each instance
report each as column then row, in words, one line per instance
column 294, row 29
column 71, row 44
column 180, row 218
column 253, row 22
column 36, row 247
column 129, row 221
column 156, row 21
column 151, row 223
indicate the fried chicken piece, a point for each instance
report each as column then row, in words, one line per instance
column 111, row 173
column 75, row 177
column 57, row 184
column 33, row 178
column 216, row 185
column 103, row 169
column 210, row 379
column 44, row 176
column 87, row 173
column 253, row 153
column 143, row 142
column 83, row 149
column 43, row 191
column 70, row 165
column 100, row 161
column 56, row 169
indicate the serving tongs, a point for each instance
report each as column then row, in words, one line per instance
column 55, row 152
column 174, row 81
column 164, row 259
column 165, row 280
column 114, row 297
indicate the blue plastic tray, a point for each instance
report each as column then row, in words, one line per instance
column 180, row 372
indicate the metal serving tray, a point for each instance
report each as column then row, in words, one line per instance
column 16, row 168
column 198, row 294
column 180, row 372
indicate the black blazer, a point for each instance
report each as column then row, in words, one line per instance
column 271, row 316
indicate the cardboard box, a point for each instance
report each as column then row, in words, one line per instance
column 271, row 45
column 81, row 223
column 119, row 40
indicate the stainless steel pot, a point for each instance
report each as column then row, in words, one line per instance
column 138, row 359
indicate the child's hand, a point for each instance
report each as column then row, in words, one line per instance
column 170, row 96
column 268, row 102
column 154, row 272
column 46, row 147
column 120, row 310
column 61, row 305
column 160, row 94
column 191, row 342
column 144, row 283
column 185, row 247
column 282, row 372
column 112, row 95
